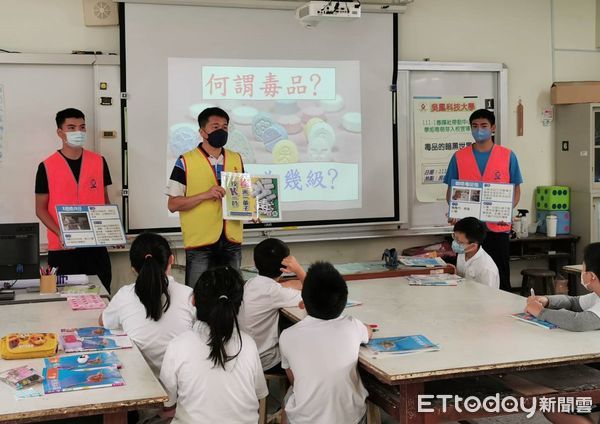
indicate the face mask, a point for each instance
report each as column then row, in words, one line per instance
column 75, row 138
column 583, row 283
column 457, row 247
column 217, row 138
column 481, row 134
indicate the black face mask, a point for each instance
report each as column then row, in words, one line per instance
column 217, row 138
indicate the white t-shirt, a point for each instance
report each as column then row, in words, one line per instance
column 259, row 315
column 590, row 302
column 323, row 356
column 152, row 337
column 481, row 268
column 205, row 393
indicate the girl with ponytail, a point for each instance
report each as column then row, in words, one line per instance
column 213, row 372
column 154, row 309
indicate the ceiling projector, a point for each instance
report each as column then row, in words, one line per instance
column 314, row 12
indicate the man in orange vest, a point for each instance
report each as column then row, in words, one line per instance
column 484, row 161
column 195, row 192
column 72, row 176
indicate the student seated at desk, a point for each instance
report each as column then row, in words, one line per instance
column 212, row 373
column 473, row 262
column 154, row 309
column 264, row 295
column 574, row 313
column 320, row 354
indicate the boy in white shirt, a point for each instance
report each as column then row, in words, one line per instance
column 264, row 295
column 320, row 354
column 473, row 262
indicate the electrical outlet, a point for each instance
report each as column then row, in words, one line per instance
column 565, row 146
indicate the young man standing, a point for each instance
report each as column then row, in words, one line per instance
column 484, row 161
column 72, row 176
column 195, row 192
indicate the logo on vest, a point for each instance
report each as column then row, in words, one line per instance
column 497, row 175
column 93, row 184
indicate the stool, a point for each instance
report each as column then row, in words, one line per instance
column 282, row 381
column 540, row 280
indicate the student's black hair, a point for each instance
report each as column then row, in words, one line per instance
column 483, row 114
column 149, row 256
column 268, row 255
column 324, row 291
column 211, row 111
column 65, row 114
column 474, row 229
column 591, row 258
column 218, row 295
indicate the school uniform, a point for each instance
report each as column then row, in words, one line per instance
column 259, row 315
column 207, row 393
column 126, row 311
column 481, row 268
column 323, row 356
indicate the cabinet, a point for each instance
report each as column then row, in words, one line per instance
column 578, row 166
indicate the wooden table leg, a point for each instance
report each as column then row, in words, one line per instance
column 409, row 403
column 116, row 418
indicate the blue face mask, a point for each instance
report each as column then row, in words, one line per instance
column 457, row 247
column 76, row 138
column 481, row 134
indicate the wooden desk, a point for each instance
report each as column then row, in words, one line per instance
column 559, row 251
column 475, row 333
column 141, row 390
column 22, row 296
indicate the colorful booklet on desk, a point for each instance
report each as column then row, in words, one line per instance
column 93, row 338
column 21, row 377
column 93, row 331
column 78, row 362
column 401, row 345
column 350, row 303
column 62, row 380
column 530, row 319
column 434, row 280
column 413, row 261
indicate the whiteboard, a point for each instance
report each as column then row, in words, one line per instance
column 35, row 87
column 429, row 79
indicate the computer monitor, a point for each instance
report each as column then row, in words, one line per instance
column 19, row 251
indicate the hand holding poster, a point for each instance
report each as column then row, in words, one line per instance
column 90, row 226
column 251, row 197
column 488, row 202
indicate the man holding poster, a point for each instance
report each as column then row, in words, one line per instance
column 195, row 192
column 484, row 161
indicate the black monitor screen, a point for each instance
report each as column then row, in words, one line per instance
column 19, row 251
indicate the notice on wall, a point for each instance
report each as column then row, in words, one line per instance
column 441, row 127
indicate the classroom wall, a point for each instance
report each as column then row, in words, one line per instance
column 519, row 33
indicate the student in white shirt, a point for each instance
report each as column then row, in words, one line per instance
column 574, row 313
column 320, row 354
column 473, row 262
column 154, row 309
column 212, row 373
column 264, row 295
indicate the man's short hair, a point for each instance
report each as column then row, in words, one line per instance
column 65, row 114
column 268, row 255
column 324, row 291
column 483, row 114
column 211, row 111
column 473, row 229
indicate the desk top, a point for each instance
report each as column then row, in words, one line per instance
column 22, row 296
column 471, row 324
column 141, row 390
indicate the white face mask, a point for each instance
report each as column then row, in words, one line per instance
column 76, row 138
column 583, row 283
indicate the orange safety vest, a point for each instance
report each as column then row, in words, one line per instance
column 203, row 225
column 63, row 189
column 497, row 170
